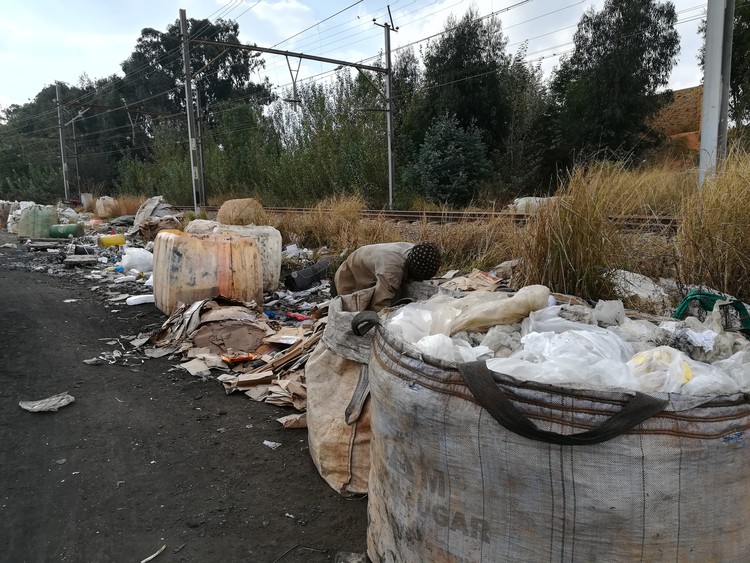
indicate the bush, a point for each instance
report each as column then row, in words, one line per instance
column 451, row 163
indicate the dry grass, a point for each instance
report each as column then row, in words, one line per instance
column 125, row 205
column 244, row 211
column 621, row 191
column 714, row 240
column 334, row 222
column 480, row 244
column 570, row 244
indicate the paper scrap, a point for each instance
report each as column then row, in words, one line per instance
column 297, row 420
column 50, row 404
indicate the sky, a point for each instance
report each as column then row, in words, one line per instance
column 43, row 41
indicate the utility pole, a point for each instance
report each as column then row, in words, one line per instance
column 190, row 115
column 61, row 127
column 201, row 161
column 389, row 105
column 718, row 57
column 360, row 67
column 75, row 147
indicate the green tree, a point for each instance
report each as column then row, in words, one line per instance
column 451, row 164
column 155, row 72
column 605, row 91
column 332, row 141
column 465, row 72
column 518, row 161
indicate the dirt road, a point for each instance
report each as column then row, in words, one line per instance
column 144, row 457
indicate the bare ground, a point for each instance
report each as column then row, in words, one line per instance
column 144, row 457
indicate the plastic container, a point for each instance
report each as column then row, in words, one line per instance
column 269, row 247
column 36, row 221
column 84, row 250
column 188, row 268
column 64, row 231
column 139, row 299
column 307, row 277
column 112, row 240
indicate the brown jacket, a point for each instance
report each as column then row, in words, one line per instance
column 380, row 265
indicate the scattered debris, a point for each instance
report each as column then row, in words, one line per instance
column 155, row 555
column 50, row 404
column 272, row 445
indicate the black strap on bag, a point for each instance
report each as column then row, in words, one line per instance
column 364, row 321
column 487, row 393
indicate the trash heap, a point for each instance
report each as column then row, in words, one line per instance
column 530, row 336
column 258, row 350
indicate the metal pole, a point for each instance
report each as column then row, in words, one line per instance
column 190, row 115
column 78, row 172
column 713, row 88
column 201, row 160
column 726, row 72
column 389, row 114
column 63, row 156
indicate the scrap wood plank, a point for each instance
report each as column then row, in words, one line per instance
column 292, row 354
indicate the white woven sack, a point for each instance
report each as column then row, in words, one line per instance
column 448, row 482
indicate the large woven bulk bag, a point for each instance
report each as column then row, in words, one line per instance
column 543, row 473
column 338, row 412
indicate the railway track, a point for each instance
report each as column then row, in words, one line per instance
column 633, row 222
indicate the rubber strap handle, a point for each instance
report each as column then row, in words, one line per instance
column 364, row 321
column 487, row 393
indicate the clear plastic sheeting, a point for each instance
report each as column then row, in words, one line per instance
column 452, row 349
column 667, row 369
column 577, row 346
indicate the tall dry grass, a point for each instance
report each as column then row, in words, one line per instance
column 714, row 240
column 569, row 244
column 124, row 205
column 480, row 244
column 656, row 190
column 333, row 222
column 242, row 211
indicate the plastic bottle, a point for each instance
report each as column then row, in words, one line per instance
column 112, row 240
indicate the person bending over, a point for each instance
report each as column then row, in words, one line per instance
column 386, row 267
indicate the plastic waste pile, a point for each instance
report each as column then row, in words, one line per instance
column 529, row 336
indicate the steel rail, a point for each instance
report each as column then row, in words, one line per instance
column 634, row 222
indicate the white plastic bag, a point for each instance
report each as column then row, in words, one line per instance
column 138, row 259
column 415, row 321
column 580, row 373
column 669, row 370
column 482, row 316
column 582, row 344
column 609, row 313
column 549, row 320
column 451, row 349
column 737, row 367
column 503, row 339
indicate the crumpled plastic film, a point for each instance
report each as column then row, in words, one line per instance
column 480, row 317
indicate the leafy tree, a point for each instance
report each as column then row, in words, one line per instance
column 518, row 161
column 465, row 72
column 331, row 142
column 451, row 164
column 154, row 71
column 605, row 91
